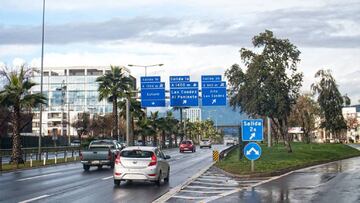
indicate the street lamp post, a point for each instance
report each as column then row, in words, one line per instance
column 146, row 66
column 41, row 78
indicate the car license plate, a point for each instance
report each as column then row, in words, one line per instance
column 95, row 162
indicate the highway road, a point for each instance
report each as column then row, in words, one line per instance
column 69, row 183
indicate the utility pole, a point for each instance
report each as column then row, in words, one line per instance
column 269, row 131
column 128, row 143
column 41, row 79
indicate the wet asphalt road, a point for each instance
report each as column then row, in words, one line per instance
column 334, row 182
column 69, row 183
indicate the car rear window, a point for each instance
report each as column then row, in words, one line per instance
column 136, row 154
column 186, row 142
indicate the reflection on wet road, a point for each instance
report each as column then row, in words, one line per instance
column 334, row 182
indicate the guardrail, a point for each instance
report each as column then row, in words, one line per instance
column 226, row 151
column 30, row 153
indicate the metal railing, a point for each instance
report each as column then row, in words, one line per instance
column 47, row 153
column 226, row 151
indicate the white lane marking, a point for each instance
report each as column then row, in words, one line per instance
column 187, row 197
column 219, row 184
column 107, row 178
column 210, row 188
column 204, row 192
column 40, row 176
column 245, row 188
column 34, row 199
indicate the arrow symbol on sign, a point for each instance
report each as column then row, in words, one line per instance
column 252, row 150
column 213, row 101
column 185, row 101
column 252, row 136
column 152, row 103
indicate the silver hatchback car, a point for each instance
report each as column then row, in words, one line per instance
column 141, row 163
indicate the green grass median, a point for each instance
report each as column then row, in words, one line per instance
column 276, row 160
column 35, row 164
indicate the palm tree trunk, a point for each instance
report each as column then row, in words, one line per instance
column 115, row 117
column 163, row 138
column 132, row 135
column 16, row 156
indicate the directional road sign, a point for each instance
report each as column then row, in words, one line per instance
column 252, row 130
column 252, row 151
column 152, row 92
column 183, row 93
column 213, row 90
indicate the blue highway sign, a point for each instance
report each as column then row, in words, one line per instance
column 182, row 97
column 150, row 79
column 252, row 151
column 214, row 97
column 252, row 130
column 152, row 92
column 213, row 90
column 184, row 85
column 210, row 78
column 179, row 79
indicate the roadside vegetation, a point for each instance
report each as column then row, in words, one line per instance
column 37, row 163
column 276, row 160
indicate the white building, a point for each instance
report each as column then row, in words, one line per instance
column 352, row 118
column 70, row 92
column 193, row 114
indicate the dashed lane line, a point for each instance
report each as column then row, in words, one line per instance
column 106, row 178
column 34, row 199
column 35, row 177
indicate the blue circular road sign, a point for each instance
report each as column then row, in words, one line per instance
column 252, row 151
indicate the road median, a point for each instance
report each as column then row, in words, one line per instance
column 276, row 160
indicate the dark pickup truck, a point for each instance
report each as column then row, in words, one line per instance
column 100, row 153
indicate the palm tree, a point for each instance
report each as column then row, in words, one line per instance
column 113, row 86
column 16, row 97
column 135, row 113
column 155, row 123
column 144, row 128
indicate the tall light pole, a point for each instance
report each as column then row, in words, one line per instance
column 41, row 77
column 146, row 66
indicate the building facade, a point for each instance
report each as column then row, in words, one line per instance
column 70, row 92
column 193, row 114
column 352, row 118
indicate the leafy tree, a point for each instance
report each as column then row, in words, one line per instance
column 271, row 83
column 16, row 97
column 331, row 102
column 303, row 114
column 112, row 86
column 101, row 125
column 82, row 124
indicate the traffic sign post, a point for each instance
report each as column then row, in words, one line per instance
column 213, row 90
column 183, row 93
column 152, row 92
column 252, row 130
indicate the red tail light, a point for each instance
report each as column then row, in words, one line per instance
column 153, row 161
column 81, row 156
column 117, row 160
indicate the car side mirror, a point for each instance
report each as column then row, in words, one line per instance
column 167, row 157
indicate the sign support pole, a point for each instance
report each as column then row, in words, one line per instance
column 269, row 131
column 252, row 165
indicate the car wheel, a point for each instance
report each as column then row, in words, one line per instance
column 158, row 181
column 181, row 151
column 86, row 167
column 99, row 167
column 166, row 180
column 117, row 182
column 112, row 165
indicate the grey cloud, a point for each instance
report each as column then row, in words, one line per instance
column 304, row 27
column 115, row 29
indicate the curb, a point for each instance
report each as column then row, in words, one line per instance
column 37, row 167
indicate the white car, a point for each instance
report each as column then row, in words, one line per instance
column 141, row 163
column 205, row 143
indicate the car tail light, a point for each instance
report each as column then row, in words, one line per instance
column 153, row 161
column 117, row 160
column 151, row 174
column 81, row 156
column 117, row 174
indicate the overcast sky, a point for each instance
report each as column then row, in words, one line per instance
column 189, row 37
